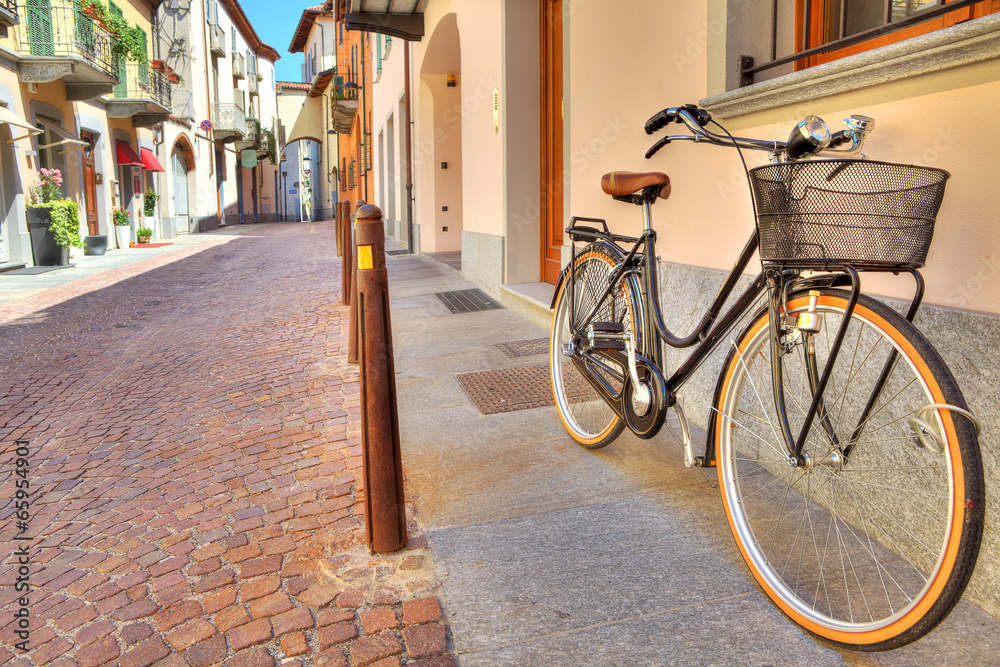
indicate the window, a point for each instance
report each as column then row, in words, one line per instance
column 805, row 33
column 51, row 153
column 834, row 20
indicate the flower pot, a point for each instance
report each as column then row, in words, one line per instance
column 174, row 78
column 123, row 234
column 143, row 239
column 96, row 244
column 43, row 244
column 159, row 65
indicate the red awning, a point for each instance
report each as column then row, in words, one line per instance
column 149, row 160
column 125, row 155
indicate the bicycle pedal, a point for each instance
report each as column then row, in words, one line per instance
column 606, row 336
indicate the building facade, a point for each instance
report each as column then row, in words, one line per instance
column 75, row 102
column 329, row 130
column 220, row 139
column 537, row 113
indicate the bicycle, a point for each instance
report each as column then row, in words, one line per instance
column 848, row 459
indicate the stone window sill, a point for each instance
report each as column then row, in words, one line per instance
column 963, row 44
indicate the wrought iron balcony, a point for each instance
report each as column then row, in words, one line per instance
column 8, row 15
column 345, row 97
column 228, row 123
column 239, row 66
column 216, row 39
column 249, row 138
column 143, row 94
column 60, row 42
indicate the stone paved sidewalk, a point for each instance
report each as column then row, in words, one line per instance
column 194, row 465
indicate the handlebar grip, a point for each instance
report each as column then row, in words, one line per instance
column 660, row 120
column 657, row 146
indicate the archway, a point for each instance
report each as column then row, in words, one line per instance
column 439, row 153
column 182, row 163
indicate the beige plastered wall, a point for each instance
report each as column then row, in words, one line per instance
column 945, row 119
column 387, row 94
column 481, row 69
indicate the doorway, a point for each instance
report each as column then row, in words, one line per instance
column 89, row 183
column 551, row 186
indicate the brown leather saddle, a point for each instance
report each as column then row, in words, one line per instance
column 626, row 183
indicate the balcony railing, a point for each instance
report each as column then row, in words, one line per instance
column 249, row 138
column 252, row 84
column 345, row 93
column 8, row 15
column 64, row 32
column 142, row 82
column 229, row 120
column 345, row 79
column 217, row 39
column 239, row 66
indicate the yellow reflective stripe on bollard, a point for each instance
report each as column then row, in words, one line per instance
column 365, row 260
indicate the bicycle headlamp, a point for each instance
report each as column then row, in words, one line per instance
column 810, row 136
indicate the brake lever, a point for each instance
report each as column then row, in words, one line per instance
column 657, row 146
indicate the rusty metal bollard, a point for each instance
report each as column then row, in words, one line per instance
column 353, row 340
column 338, row 228
column 385, row 508
column 346, row 229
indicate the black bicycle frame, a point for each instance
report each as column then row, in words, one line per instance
column 773, row 279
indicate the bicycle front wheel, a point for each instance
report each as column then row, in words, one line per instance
column 873, row 541
column 587, row 418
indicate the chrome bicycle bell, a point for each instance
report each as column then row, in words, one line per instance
column 810, row 136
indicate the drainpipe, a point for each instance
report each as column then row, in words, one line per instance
column 362, row 163
column 408, row 176
column 211, row 134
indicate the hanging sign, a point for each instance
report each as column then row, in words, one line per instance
column 248, row 158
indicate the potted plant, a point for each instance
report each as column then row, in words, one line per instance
column 149, row 199
column 123, row 226
column 92, row 8
column 260, row 77
column 127, row 43
column 158, row 65
column 143, row 234
column 53, row 221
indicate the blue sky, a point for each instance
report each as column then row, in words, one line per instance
column 275, row 28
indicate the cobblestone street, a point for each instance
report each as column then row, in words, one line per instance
column 194, row 460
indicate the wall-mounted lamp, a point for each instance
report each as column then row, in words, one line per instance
column 451, row 80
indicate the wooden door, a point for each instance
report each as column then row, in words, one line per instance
column 89, row 182
column 551, row 186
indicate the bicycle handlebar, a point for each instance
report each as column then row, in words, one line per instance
column 695, row 119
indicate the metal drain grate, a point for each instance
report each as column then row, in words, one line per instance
column 468, row 301
column 397, row 252
column 524, row 348
column 511, row 389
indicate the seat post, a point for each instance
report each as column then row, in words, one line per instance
column 647, row 215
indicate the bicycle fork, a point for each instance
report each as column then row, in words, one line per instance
column 808, row 322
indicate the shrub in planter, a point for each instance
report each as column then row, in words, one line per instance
column 143, row 234
column 149, row 199
column 53, row 222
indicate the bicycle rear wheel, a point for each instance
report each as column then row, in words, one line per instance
column 587, row 418
column 871, row 551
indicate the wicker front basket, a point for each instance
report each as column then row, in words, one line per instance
column 871, row 215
